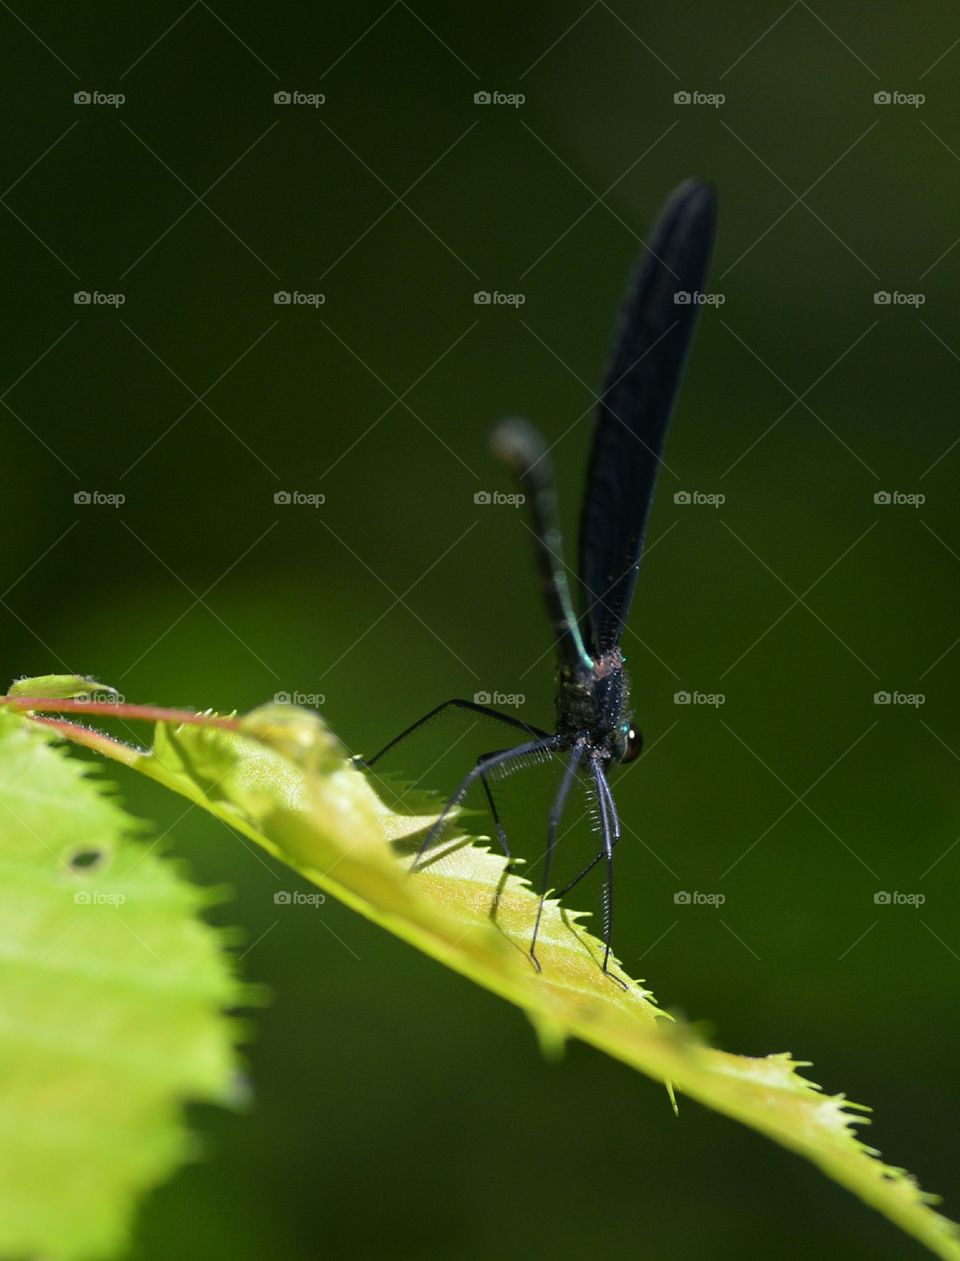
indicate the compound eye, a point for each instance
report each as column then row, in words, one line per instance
column 634, row 745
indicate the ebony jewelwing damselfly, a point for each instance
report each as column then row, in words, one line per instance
column 593, row 720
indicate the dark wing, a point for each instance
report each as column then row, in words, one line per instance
column 635, row 407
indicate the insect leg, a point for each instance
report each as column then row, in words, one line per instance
column 501, row 834
column 553, row 823
column 611, row 834
column 484, row 710
column 549, row 745
column 608, row 811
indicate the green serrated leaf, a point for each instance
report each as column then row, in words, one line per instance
column 112, row 993
column 282, row 779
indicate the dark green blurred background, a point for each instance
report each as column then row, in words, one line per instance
column 400, row 1111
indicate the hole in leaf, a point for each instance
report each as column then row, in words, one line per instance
column 86, row 859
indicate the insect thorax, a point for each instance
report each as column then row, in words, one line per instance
column 594, row 700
